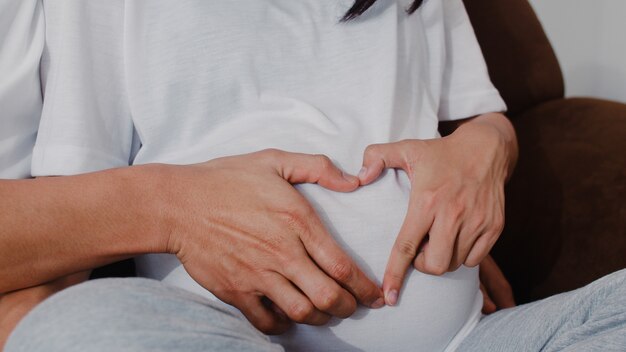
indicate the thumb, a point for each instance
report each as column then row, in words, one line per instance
column 309, row 168
column 378, row 157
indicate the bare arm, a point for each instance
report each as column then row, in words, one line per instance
column 53, row 227
column 217, row 217
column 42, row 221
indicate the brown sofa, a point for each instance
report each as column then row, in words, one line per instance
column 566, row 208
column 566, row 203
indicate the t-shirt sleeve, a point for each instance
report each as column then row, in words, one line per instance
column 466, row 87
column 21, row 45
column 86, row 123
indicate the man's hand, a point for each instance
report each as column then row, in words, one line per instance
column 456, row 206
column 15, row 305
column 258, row 239
column 497, row 292
column 237, row 224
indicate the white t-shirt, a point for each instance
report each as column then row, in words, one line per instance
column 193, row 80
column 21, row 45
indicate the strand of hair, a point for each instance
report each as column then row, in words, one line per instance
column 360, row 6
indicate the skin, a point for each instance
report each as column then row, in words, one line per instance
column 15, row 305
column 497, row 292
column 190, row 211
column 456, row 205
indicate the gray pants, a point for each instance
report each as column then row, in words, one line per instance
column 146, row 315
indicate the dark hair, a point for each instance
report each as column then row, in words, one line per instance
column 360, row 6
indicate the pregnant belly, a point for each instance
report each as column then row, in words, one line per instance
column 431, row 310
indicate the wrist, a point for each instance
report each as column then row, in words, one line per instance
column 495, row 132
column 151, row 198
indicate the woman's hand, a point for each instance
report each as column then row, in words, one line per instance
column 258, row 239
column 456, row 206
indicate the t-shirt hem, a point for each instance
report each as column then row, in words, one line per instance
column 469, row 325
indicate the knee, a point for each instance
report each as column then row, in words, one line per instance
column 615, row 287
column 131, row 314
column 614, row 282
column 607, row 296
column 66, row 321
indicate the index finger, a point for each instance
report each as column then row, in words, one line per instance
column 337, row 264
column 414, row 229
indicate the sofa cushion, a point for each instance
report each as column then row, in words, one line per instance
column 565, row 208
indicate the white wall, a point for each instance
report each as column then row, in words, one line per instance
column 589, row 37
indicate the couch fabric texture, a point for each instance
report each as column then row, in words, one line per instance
column 566, row 202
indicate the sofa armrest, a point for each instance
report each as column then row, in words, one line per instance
column 566, row 203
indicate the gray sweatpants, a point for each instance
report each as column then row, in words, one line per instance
column 146, row 315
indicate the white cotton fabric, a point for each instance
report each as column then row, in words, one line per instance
column 21, row 45
column 195, row 80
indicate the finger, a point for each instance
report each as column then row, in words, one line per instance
column 293, row 303
column 276, row 309
column 486, row 234
column 259, row 315
column 327, row 254
column 480, row 249
column 324, row 292
column 442, row 237
column 462, row 247
column 496, row 284
column 488, row 305
column 378, row 157
column 416, row 225
column 307, row 168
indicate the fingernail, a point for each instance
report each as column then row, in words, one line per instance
column 379, row 303
column 363, row 172
column 392, row 297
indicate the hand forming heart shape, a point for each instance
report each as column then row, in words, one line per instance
column 456, row 205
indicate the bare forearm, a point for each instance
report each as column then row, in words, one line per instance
column 53, row 227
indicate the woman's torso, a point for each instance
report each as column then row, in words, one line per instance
column 207, row 79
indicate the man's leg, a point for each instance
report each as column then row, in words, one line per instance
column 133, row 315
column 592, row 318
